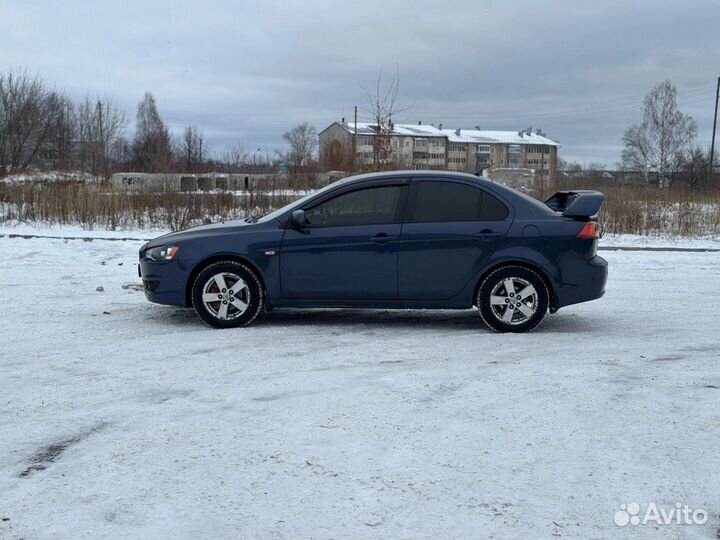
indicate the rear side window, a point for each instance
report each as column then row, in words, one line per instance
column 449, row 201
column 368, row 206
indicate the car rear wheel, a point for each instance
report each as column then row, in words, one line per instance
column 512, row 299
column 227, row 294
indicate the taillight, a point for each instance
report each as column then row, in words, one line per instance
column 591, row 230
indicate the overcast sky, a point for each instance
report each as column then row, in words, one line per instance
column 245, row 72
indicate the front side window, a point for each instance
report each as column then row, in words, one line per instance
column 449, row 201
column 368, row 206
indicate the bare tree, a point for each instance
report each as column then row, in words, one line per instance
column 192, row 149
column 303, row 141
column 28, row 110
column 383, row 106
column 63, row 135
column 696, row 165
column 336, row 156
column 152, row 147
column 236, row 158
column 121, row 154
column 100, row 125
column 661, row 141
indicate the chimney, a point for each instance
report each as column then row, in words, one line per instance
column 521, row 133
column 440, row 126
column 477, row 128
column 457, row 132
column 419, row 122
column 342, row 120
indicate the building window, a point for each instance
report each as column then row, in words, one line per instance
column 514, row 148
column 456, row 148
column 456, row 160
column 483, row 149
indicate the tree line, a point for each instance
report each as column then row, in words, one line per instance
column 663, row 145
column 43, row 128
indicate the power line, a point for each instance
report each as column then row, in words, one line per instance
column 712, row 145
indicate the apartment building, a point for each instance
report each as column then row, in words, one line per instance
column 472, row 150
column 422, row 146
column 406, row 146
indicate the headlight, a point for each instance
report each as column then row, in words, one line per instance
column 162, row 253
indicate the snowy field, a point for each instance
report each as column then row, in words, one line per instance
column 123, row 419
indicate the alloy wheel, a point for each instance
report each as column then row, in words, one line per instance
column 513, row 300
column 226, row 296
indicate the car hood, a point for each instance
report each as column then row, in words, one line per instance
column 202, row 230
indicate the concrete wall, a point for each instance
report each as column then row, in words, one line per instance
column 195, row 182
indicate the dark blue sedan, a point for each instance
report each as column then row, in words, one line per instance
column 402, row 239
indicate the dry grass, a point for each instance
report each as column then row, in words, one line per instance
column 639, row 210
column 647, row 210
column 659, row 212
column 97, row 206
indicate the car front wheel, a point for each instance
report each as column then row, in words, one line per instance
column 512, row 299
column 227, row 294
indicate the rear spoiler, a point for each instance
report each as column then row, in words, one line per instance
column 582, row 203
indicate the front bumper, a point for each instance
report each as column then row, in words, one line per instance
column 164, row 282
column 583, row 282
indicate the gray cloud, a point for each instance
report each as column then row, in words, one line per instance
column 245, row 72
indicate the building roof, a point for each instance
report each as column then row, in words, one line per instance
column 490, row 136
column 403, row 130
column 453, row 135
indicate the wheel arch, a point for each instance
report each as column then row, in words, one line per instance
column 219, row 258
column 539, row 270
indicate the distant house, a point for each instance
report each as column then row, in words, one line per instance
column 344, row 146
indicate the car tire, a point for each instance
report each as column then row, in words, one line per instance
column 512, row 299
column 240, row 295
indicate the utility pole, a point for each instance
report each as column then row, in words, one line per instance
column 712, row 144
column 354, row 150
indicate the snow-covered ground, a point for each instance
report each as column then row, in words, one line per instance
column 123, row 419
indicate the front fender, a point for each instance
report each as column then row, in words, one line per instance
column 260, row 250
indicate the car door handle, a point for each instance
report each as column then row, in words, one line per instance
column 382, row 238
column 487, row 234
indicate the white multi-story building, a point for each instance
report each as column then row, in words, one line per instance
column 422, row 146
column 403, row 145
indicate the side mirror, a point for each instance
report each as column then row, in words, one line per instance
column 298, row 219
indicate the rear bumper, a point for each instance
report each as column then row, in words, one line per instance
column 164, row 282
column 583, row 282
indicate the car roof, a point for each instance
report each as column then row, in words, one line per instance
column 414, row 174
